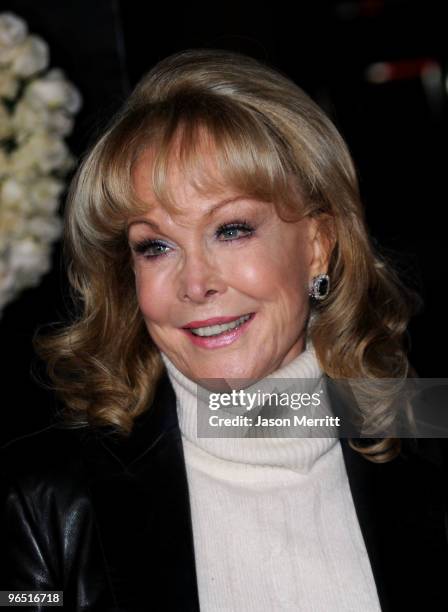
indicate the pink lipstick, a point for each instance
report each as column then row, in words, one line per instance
column 224, row 338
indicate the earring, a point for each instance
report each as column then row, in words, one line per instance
column 320, row 287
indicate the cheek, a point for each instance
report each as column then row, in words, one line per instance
column 283, row 285
column 255, row 271
column 270, row 278
column 153, row 296
column 293, row 269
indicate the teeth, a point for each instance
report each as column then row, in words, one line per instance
column 213, row 330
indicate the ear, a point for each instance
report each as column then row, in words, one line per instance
column 322, row 241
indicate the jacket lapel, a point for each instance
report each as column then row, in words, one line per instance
column 140, row 499
column 402, row 515
column 401, row 509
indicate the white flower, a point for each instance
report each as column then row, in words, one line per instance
column 31, row 57
column 7, row 284
column 39, row 196
column 4, row 163
column 47, row 229
column 53, row 91
column 60, row 123
column 29, row 259
column 12, row 226
column 55, row 154
column 26, row 117
column 9, row 84
column 13, row 31
column 12, row 192
column 23, row 161
column 33, row 155
column 5, row 237
column 44, row 195
column 5, row 122
column 43, row 152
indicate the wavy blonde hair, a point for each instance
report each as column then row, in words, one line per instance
column 272, row 142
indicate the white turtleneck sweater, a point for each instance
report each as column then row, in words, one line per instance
column 274, row 523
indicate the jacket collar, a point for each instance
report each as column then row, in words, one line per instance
column 401, row 509
column 149, row 429
column 139, row 493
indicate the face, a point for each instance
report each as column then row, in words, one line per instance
column 222, row 257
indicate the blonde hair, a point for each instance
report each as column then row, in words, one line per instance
column 270, row 141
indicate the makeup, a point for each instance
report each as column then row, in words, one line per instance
column 223, row 339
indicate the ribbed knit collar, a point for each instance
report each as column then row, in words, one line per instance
column 298, row 454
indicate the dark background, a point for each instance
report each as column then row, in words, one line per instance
column 396, row 130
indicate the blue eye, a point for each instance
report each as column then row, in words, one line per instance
column 235, row 227
column 150, row 248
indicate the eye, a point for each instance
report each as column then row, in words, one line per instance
column 150, row 249
column 231, row 230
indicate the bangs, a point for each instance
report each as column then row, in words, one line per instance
column 214, row 143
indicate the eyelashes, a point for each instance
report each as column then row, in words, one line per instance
column 149, row 248
column 240, row 226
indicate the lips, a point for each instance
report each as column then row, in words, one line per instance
column 219, row 340
column 213, row 321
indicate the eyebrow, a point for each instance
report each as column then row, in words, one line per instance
column 207, row 215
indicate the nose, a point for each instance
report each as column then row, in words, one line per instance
column 200, row 278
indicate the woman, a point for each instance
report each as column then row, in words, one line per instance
column 215, row 239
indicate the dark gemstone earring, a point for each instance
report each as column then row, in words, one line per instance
column 320, row 287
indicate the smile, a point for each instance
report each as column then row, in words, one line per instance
column 214, row 330
column 215, row 336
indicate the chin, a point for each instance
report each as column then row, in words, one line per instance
column 216, row 372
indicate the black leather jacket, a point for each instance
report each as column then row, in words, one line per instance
column 107, row 520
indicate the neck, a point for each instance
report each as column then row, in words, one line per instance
column 246, row 447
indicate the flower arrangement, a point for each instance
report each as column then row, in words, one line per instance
column 36, row 114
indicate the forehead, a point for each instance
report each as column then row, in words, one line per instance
column 185, row 173
column 176, row 175
column 188, row 192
